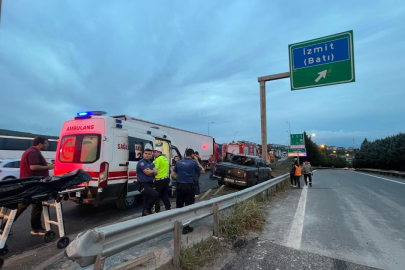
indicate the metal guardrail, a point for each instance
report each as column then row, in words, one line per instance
column 387, row 172
column 93, row 246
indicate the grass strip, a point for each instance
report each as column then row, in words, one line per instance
column 199, row 254
column 245, row 216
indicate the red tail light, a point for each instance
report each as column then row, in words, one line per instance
column 0, row 171
column 103, row 178
column 245, row 175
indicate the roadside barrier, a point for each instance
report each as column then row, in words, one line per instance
column 93, row 246
column 386, row 172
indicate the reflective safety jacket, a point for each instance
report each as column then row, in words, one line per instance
column 297, row 170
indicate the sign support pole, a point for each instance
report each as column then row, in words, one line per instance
column 262, row 81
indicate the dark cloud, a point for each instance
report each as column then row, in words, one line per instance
column 186, row 64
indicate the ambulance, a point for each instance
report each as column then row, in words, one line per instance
column 108, row 149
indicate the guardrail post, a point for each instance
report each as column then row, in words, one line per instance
column 99, row 264
column 218, row 190
column 215, row 211
column 263, row 196
column 177, row 244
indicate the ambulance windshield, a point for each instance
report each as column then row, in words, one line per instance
column 81, row 148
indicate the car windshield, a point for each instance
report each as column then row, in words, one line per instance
column 242, row 160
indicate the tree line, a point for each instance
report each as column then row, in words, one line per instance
column 384, row 154
column 318, row 157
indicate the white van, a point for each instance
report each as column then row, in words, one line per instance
column 108, row 150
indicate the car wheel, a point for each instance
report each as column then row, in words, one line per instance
column 125, row 202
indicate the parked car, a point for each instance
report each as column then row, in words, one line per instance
column 242, row 170
column 10, row 169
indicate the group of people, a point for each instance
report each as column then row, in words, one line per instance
column 154, row 180
column 296, row 171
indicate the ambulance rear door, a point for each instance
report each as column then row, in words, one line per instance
column 118, row 168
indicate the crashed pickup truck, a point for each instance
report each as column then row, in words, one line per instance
column 242, row 170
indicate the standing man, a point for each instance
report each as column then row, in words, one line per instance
column 162, row 179
column 34, row 164
column 307, row 171
column 292, row 174
column 297, row 174
column 197, row 175
column 184, row 172
column 213, row 163
column 145, row 170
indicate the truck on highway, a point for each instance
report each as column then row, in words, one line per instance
column 184, row 139
column 240, row 147
column 242, row 170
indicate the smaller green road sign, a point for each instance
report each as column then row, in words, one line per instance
column 302, row 152
column 323, row 61
column 297, row 141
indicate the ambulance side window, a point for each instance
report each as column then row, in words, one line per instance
column 165, row 147
column 136, row 147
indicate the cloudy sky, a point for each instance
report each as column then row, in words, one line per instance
column 189, row 63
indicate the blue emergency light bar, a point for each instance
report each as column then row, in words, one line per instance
column 89, row 113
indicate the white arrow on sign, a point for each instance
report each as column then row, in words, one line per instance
column 321, row 74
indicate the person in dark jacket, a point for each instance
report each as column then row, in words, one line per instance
column 292, row 173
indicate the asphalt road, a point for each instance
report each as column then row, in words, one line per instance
column 78, row 218
column 349, row 216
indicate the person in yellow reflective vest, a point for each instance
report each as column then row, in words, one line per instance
column 162, row 180
column 297, row 175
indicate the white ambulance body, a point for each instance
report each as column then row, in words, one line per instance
column 204, row 144
column 108, row 150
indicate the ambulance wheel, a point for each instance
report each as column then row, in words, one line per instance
column 4, row 251
column 49, row 236
column 125, row 202
column 63, row 242
column 1, row 263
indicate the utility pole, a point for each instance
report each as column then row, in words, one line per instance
column 209, row 128
column 0, row 10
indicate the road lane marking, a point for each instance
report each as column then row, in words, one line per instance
column 402, row 183
column 294, row 238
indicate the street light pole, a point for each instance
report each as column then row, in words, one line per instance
column 289, row 129
column 208, row 124
column 234, row 135
column 0, row 10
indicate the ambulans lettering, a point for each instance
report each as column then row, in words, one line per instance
column 77, row 128
column 123, row 146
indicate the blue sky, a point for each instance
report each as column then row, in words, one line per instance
column 189, row 63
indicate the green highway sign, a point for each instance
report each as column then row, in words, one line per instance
column 302, row 152
column 297, row 141
column 322, row 61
